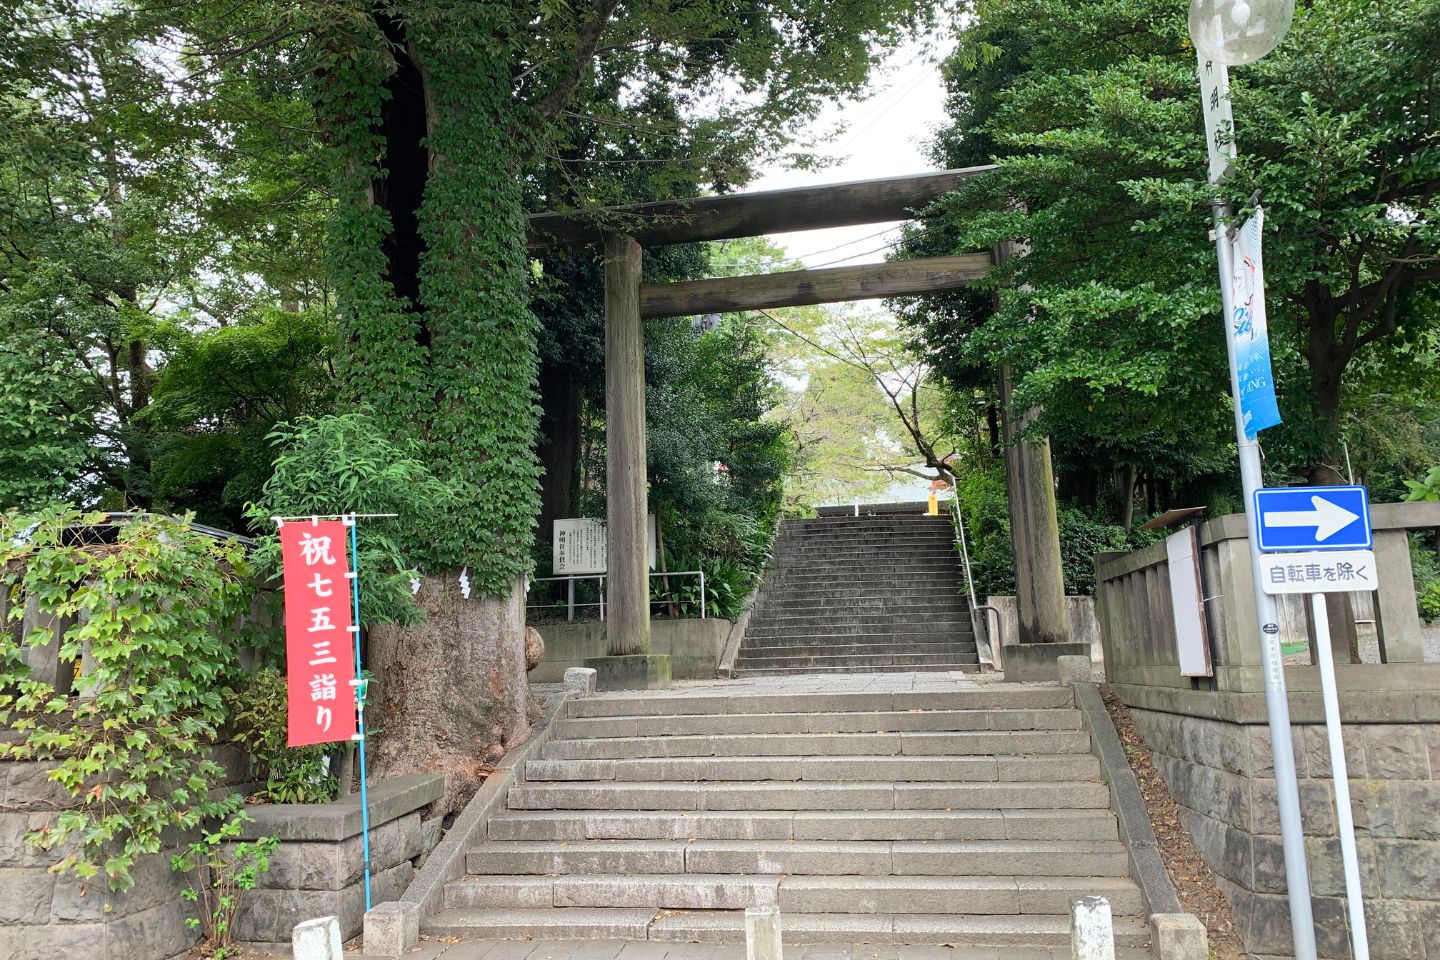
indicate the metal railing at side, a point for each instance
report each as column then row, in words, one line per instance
column 979, row 622
column 571, row 605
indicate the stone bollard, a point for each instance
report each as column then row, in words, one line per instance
column 762, row 933
column 579, row 681
column 392, row 928
column 317, row 939
column 1074, row 669
column 1091, row 935
column 1178, row 936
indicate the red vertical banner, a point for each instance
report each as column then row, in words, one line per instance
column 319, row 644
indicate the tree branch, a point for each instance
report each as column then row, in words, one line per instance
column 582, row 54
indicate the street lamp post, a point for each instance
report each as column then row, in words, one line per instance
column 1233, row 32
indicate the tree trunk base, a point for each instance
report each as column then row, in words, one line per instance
column 450, row 695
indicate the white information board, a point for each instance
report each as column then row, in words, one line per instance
column 579, row 546
column 1187, row 603
column 1331, row 571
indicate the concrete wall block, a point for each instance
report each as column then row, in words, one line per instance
column 1409, row 869
column 1416, row 803
column 391, row 929
column 1375, row 808
column 157, row 932
column 1397, row 752
column 1316, row 744
column 68, row 941
column 92, row 901
column 1227, row 849
column 268, row 916
column 1395, row 929
column 25, row 895
column 1178, row 936
column 28, row 786
column 13, row 826
column 1317, row 809
column 335, row 866
column 317, row 939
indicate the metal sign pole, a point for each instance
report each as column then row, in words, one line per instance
column 1339, row 772
column 360, row 706
column 1287, row 788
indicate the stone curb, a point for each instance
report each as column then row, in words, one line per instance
column 447, row 861
column 1135, row 828
column 725, row 669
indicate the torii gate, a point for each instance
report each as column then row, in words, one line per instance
column 623, row 230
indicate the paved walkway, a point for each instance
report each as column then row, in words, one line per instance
column 655, row 950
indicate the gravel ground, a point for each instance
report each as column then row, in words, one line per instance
column 1370, row 646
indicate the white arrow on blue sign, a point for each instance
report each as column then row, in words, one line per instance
column 1313, row 518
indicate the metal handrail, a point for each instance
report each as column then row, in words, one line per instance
column 599, row 578
column 982, row 637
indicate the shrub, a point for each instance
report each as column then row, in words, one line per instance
column 224, row 873
column 133, row 740
column 260, row 722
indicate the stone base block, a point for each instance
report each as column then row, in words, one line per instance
column 1031, row 662
column 636, row 671
column 1178, row 936
column 391, row 929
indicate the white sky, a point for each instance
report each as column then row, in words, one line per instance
column 883, row 136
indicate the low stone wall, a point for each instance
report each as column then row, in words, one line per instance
column 1079, row 613
column 695, row 647
column 1213, row 749
column 318, row 869
column 58, row 916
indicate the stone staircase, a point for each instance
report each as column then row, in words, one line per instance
column 970, row 817
column 861, row 594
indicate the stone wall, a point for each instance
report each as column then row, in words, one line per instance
column 694, row 646
column 1214, row 754
column 49, row 916
column 318, row 869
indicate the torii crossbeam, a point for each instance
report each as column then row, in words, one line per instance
column 623, row 230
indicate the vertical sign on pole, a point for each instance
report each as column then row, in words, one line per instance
column 325, row 694
column 1220, row 141
column 320, row 660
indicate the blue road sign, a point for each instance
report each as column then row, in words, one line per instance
column 1313, row 518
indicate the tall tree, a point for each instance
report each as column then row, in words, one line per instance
column 1091, row 110
column 435, row 112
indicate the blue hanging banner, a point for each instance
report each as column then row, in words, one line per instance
column 1249, row 329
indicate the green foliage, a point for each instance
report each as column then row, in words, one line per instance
column 42, row 438
column 1110, row 322
column 260, row 722
column 222, row 871
column 985, row 510
column 132, row 742
column 1428, row 600
column 1425, row 489
column 343, row 463
column 217, row 400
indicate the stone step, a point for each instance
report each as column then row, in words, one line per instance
column 865, row 594
column 717, row 926
column 885, row 721
column 860, row 663
column 948, row 858
column 644, row 704
column 1015, row 824
column 841, row 667
column 867, row 574
column 910, row 743
column 878, row 609
column 954, row 930
column 893, row 646
column 807, row 795
column 795, row 894
column 1029, row 769
column 840, row 627
column 899, row 553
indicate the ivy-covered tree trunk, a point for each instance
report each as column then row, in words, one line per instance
column 428, row 255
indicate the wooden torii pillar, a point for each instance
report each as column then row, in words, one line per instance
column 622, row 231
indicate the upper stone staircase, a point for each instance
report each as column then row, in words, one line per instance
column 971, row 816
column 861, row 594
